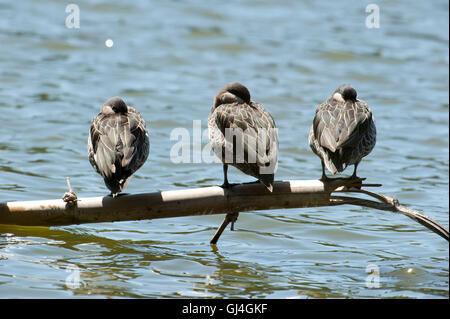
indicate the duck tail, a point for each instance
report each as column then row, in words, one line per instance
column 267, row 180
column 337, row 161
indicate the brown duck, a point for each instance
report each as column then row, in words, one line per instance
column 118, row 143
column 243, row 134
column 343, row 131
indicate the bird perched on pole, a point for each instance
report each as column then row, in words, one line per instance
column 343, row 131
column 243, row 134
column 118, row 143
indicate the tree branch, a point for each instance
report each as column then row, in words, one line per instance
column 202, row 201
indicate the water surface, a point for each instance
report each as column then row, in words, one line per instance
column 169, row 60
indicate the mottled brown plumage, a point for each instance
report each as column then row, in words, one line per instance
column 118, row 143
column 254, row 147
column 343, row 131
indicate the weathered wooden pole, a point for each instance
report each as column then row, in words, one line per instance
column 199, row 201
column 176, row 203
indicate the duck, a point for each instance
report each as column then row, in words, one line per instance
column 343, row 131
column 118, row 143
column 243, row 134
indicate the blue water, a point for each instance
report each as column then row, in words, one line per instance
column 168, row 60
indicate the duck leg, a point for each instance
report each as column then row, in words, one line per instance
column 225, row 177
column 354, row 172
column 324, row 177
column 357, row 180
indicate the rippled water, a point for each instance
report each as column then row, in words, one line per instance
column 168, row 60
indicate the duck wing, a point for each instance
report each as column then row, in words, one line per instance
column 136, row 142
column 260, row 139
column 118, row 142
column 337, row 125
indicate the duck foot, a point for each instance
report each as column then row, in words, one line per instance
column 255, row 182
column 228, row 185
column 348, row 182
column 118, row 195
